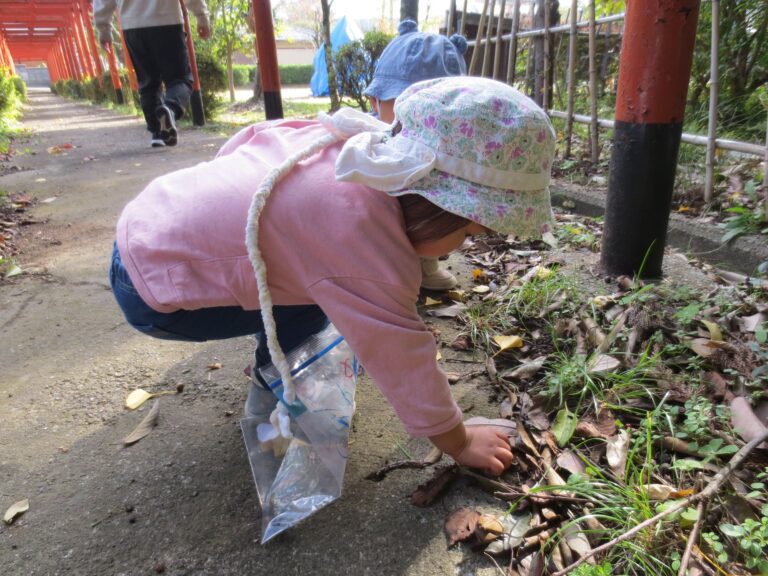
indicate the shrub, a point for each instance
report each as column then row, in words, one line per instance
column 240, row 74
column 9, row 98
column 20, row 86
column 296, row 73
column 355, row 64
column 213, row 79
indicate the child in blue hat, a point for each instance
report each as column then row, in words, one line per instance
column 412, row 57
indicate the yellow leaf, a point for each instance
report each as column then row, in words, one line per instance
column 490, row 524
column 16, row 509
column 137, row 398
column 543, row 273
column 459, row 295
column 602, row 301
column 479, row 275
column 714, row 331
column 482, row 289
column 506, row 342
column 432, row 302
column 684, row 209
column 439, row 356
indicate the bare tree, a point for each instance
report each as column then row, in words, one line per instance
column 332, row 88
column 304, row 16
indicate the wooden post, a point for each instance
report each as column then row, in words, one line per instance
column 478, row 36
column 265, row 47
column 462, row 27
column 451, row 18
column 572, row 37
column 499, row 29
column 196, row 98
column 654, row 71
column 512, row 57
column 547, row 56
column 714, row 81
column 487, row 47
column 593, row 83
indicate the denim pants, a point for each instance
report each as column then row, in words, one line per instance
column 294, row 323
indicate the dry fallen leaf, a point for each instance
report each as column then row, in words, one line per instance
column 145, row 426
column 460, row 525
column 507, row 342
column 482, row 289
column 715, row 333
column 432, row 302
column 604, row 364
column 16, row 510
column 137, row 398
column 616, row 452
column 215, row 366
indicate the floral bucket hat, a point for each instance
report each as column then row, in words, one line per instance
column 473, row 146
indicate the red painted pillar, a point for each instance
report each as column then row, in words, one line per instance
column 70, row 47
column 67, row 56
column 196, row 99
column 267, row 51
column 88, row 19
column 82, row 25
column 115, row 74
column 654, row 69
column 82, row 49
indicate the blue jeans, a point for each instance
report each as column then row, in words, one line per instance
column 294, row 323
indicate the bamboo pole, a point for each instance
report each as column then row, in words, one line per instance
column 571, row 77
column 593, row 83
column 487, row 46
column 512, row 57
column 547, row 56
column 478, row 36
column 451, row 18
column 709, row 183
column 462, row 27
column 497, row 54
column 765, row 175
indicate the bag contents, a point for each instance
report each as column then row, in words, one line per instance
column 298, row 475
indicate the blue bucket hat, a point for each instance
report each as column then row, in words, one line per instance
column 415, row 56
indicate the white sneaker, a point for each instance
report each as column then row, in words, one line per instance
column 167, row 119
column 435, row 278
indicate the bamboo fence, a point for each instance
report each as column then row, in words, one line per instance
column 485, row 39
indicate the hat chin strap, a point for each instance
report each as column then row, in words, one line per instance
column 383, row 163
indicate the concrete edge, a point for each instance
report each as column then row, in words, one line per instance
column 697, row 240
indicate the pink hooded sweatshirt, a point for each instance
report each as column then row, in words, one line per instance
column 341, row 246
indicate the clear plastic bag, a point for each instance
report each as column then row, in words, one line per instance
column 310, row 473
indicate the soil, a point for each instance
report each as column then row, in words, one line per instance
column 182, row 500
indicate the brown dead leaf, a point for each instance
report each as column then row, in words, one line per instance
column 606, row 422
column 616, row 453
column 426, row 494
column 215, row 366
column 568, row 460
column 460, row 525
column 461, row 342
column 145, row 426
column 704, row 347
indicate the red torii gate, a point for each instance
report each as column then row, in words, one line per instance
column 60, row 34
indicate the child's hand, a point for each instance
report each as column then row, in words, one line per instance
column 486, row 448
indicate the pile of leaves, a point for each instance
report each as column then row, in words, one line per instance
column 13, row 215
column 624, row 400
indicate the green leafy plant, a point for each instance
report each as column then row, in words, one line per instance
column 744, row 221
column 752, row 537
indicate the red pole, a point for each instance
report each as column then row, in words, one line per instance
column 267, row 51
column 654, row 70
column 92, row 40
column 196, row 99
column 82, row 49
column 115, row 74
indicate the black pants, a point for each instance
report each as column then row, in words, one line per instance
column 159, row 55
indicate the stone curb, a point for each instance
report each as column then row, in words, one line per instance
column 697, row 240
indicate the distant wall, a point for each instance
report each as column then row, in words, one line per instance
column 37, row 76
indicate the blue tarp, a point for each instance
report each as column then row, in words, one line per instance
column 346, row 30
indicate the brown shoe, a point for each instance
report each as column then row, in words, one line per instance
column 435, row 278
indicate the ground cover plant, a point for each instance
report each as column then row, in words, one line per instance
column 635, row 410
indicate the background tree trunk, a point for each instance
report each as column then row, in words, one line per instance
column 332, row 89
column 409, row 10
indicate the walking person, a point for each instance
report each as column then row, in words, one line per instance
column 156, row 41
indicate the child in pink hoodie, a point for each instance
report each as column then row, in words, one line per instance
column 299, row 222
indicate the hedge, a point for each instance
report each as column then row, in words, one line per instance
column 245, row 74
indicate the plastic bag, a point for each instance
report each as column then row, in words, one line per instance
column 309, row 474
